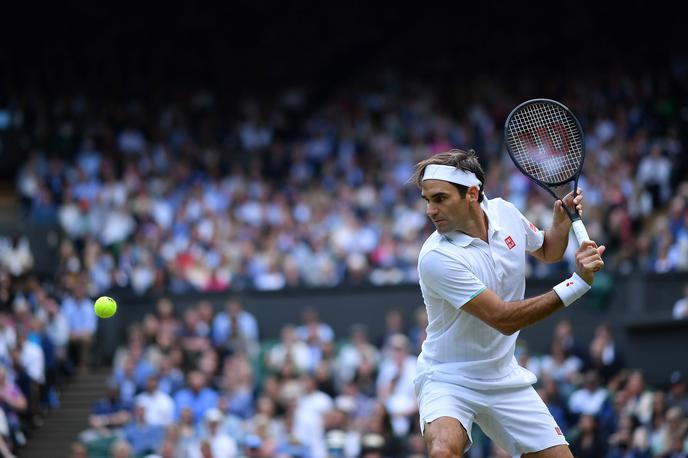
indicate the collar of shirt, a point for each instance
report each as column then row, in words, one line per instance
column 463, row 240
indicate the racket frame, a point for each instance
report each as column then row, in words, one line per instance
column 578, row 227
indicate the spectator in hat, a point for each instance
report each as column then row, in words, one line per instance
column 221, row 443
column 252, row 446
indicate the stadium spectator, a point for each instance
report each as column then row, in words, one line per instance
column 141, row 435
column 158, row 405
column 108, row 415
column 316, row 334
column 121, row 449
column 56, row 330
column 171, row 377
column 235, row 329
column 395, row 383
column 14, row 405
column 589, row 399
column 221, row 444
column 587, row 441
column 237, row 386
column 394, row 325
column 354, row 352
column 15, row 255
column 196, row 396
column 8, row 336
column 168, row 322
column 680, row 309
column 560, row 366
column 654, row 172
column 77, row 309
column 564, row 333
column 289, row 350
column 639, row 399
column 673, row 429
column 677, row 396
column 29, row 364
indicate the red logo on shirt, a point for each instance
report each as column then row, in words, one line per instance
column 556, row 428
column 510, row 242
column 533, row 228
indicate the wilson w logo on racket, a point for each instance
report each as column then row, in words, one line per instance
column 545, row 141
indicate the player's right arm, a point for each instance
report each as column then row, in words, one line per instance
column 510, row 317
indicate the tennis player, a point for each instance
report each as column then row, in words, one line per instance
column 472, row 277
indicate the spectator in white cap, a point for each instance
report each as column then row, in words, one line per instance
column 221, row 444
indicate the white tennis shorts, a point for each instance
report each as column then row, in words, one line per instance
column 516, row 419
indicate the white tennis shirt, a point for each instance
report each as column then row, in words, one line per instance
column 455, row 267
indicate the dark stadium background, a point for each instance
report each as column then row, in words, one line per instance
column 237, row 49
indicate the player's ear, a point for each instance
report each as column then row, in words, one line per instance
column 473, row 194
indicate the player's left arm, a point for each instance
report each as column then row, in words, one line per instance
column 557, row 236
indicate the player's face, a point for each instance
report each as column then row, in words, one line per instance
column 445, row 206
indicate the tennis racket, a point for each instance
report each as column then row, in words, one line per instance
column 545, row 141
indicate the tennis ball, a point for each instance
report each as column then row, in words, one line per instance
column 105, row 307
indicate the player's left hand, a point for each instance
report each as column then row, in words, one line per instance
column 560, row 216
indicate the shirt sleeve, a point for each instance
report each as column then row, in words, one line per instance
column 449, row 279
column 534, row 236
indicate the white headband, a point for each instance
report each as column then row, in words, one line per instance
column 451, row 174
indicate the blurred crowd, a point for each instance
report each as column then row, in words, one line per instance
column 45, row 339
column 185, row 193
column 204, row 384
column 604, row 408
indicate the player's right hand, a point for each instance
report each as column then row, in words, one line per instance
column 589, row 260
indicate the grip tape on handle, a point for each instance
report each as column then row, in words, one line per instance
column 580, row 232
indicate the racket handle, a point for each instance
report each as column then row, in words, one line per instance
column 579, row 231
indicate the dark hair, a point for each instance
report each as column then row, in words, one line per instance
column 464, row 160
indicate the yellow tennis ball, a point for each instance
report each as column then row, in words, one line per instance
column 105, row 307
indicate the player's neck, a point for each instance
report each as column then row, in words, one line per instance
column 476, row 223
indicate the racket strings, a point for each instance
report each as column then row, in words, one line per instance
column 546, row 142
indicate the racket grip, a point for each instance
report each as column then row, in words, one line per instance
column 579, row 231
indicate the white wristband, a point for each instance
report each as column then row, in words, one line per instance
column 571, row 289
